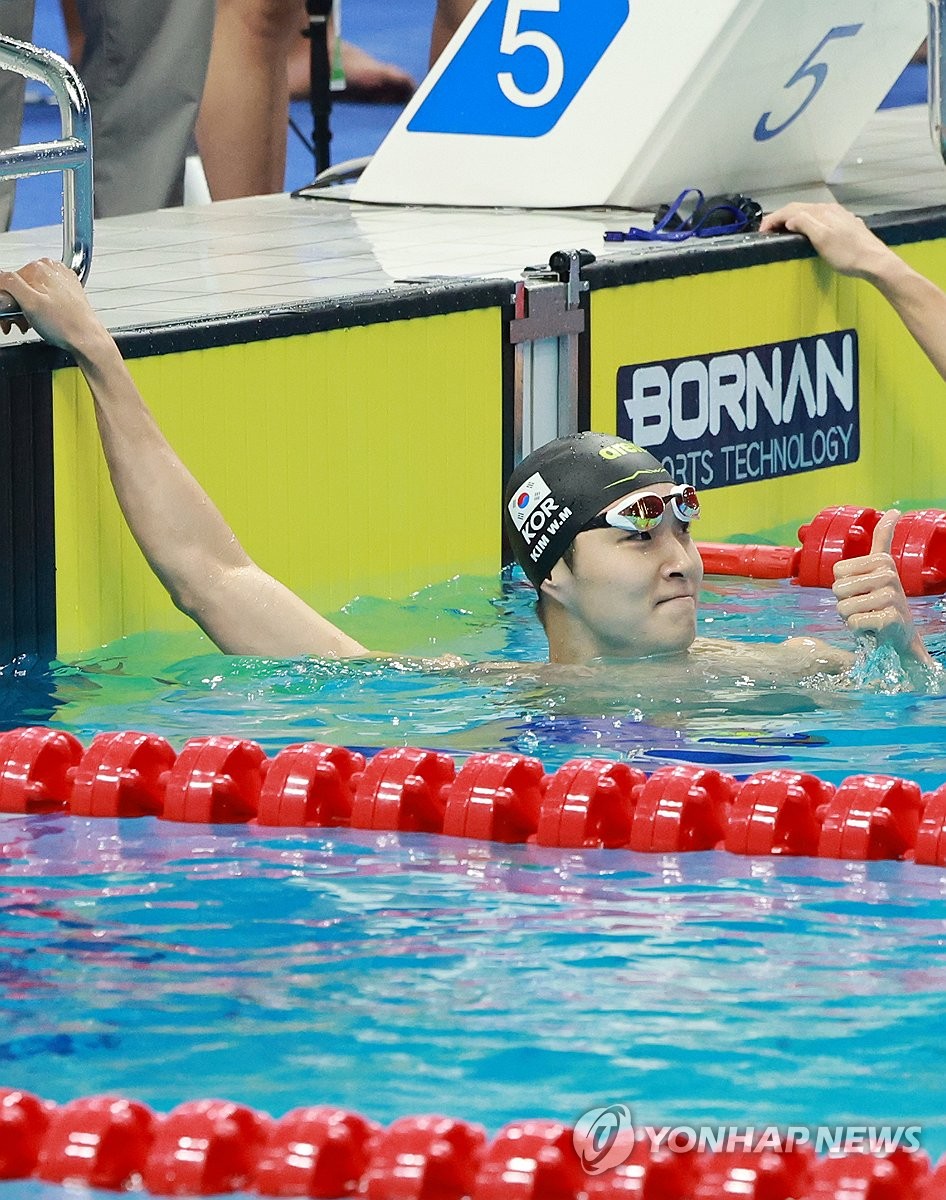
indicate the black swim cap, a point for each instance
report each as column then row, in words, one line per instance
column 558, row 488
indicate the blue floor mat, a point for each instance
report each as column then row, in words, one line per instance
column 910, row 88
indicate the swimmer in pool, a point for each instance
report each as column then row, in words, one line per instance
column 604, row 535
column 617, row 577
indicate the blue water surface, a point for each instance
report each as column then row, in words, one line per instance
column 403, row 974
column 507, row 698
column 399, row 974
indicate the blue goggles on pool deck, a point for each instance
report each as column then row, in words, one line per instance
column 646, row 510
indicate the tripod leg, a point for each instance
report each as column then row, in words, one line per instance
column 320, row 93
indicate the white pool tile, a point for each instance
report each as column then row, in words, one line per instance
column 186, row 264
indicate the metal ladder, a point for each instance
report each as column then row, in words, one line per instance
column 71, row 153
column 936, row 66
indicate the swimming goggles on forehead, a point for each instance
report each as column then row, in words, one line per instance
column 646, row 510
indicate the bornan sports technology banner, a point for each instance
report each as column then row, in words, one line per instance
column 745, row 415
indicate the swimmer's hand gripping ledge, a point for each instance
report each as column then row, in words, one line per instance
column 71, row 153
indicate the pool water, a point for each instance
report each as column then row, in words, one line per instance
column 180, row 687
column 399, row 974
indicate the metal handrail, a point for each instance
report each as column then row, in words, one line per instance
column 71, row 153
column 935, row 55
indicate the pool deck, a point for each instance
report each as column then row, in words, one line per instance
column 272, row 253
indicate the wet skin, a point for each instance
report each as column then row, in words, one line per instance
column 634, row 596
column 627, row 594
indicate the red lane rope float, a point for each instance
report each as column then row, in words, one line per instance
column 206, row 1147
column 918, row 549
column 499, row 797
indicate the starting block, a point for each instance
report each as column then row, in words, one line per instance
column 563, row 103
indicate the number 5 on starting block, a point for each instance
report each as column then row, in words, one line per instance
column 529, row 85
column 559, row 103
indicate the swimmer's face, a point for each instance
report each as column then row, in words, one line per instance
column 635, row 594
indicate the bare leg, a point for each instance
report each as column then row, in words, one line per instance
column 241, row 130
column 74, row 31
column 447, row 20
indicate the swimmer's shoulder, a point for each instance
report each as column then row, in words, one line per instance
column 511, row 671
column 795, row 656
column 798, row 655
column 453, row 662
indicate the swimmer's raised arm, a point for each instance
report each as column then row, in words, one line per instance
column 871, row 598
column 182, row 534
column 847, row 245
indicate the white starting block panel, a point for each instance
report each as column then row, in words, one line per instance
column 560, row 103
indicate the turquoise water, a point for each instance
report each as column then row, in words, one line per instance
column 178, row 687
column 415, row 974
column 402, row 974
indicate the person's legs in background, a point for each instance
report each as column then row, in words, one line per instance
column 241, row 131
column 447, row 20
column 144, row 63
column 74, row 31
column 16, row 21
